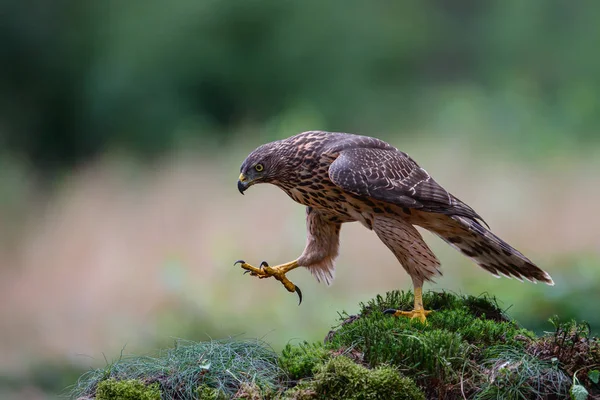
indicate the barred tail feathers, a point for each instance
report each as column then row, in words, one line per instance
column 489, row 251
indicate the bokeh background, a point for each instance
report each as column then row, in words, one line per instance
column 123, row 125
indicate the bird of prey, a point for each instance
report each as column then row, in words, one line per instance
column 342, row 177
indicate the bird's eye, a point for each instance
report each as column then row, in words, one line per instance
column 259, row 167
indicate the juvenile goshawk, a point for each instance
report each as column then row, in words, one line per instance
column 342, row 177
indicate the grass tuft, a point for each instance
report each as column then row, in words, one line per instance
column 511, row 373
column 224, row 366
column 572, row 347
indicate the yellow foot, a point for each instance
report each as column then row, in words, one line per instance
column 420, row 314
column 278, row 272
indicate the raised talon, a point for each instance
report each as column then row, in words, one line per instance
column 253, row 270
column 277, row 272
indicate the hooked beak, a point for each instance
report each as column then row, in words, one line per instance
column 243, row 183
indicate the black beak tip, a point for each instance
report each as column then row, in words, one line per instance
column 242, row 187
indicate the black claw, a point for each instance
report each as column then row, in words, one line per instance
column 299, row 294
column 390, row 311
column 263, row 264
column 239, row 262
column 246, row 271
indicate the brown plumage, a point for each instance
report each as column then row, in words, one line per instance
column 342, row 178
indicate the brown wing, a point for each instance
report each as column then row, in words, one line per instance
column 392, row 176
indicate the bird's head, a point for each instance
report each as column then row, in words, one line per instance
column 264, row 165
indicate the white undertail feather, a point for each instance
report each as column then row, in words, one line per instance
column 323, row 272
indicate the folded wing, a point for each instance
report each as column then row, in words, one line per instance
column 392, row 176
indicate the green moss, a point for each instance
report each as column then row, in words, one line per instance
column 300, row 361
column 384, row 339
column 304, row 390
column 477, row 330
column 341, row 378
column 130, row 389
column 435, row 352
column 206, row 392
column 465, row 319
column 251, row 391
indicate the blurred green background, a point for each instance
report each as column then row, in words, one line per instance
column 123, row 125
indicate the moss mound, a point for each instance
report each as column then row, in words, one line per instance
column 468, row 348
column 342, row 378
column 130, row 389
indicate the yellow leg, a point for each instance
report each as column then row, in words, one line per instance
column 418, row 312
column 278, row 272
